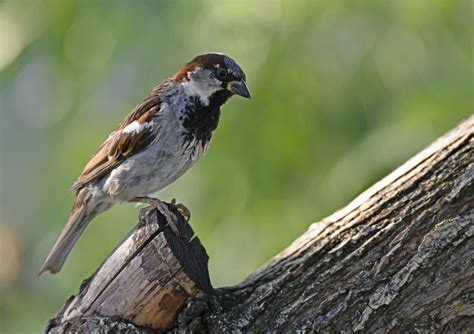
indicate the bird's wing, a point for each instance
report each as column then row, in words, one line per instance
column 132, row 135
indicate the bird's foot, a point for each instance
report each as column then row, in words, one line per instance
column 182, row 209
column 163, row 208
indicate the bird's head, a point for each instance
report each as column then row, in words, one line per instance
column 213, row 74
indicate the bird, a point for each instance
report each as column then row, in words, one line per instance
column 161, row 139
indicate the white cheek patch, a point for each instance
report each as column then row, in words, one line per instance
column 202, row 85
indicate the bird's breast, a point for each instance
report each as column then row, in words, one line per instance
column 154, row 169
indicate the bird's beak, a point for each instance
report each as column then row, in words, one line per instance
column 239, row 88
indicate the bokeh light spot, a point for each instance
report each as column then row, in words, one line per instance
column 41, row 96
column 89, row 42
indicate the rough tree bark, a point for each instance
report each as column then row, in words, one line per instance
column 399, row 258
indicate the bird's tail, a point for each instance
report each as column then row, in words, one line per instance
column 79, row 219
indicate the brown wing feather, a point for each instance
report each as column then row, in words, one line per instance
column 121, row 145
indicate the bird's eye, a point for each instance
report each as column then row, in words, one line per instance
column 221, row 73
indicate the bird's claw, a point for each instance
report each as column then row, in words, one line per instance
column 170, row 218
column 182, row 209
column 165, row 211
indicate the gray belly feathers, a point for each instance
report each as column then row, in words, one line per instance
column 167, row 158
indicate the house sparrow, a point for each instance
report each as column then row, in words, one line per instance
column 163, row 137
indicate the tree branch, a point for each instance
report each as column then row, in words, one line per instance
column 398, row 258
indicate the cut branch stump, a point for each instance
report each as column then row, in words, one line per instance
column 146, row 281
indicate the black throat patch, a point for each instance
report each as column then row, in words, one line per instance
column 200, row 120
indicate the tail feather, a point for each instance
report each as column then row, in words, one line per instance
column 79, row 219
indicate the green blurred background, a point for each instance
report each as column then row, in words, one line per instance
column 343, row 93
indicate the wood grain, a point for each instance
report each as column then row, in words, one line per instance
column 147, row 279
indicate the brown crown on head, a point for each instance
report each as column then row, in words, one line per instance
column 208, row 60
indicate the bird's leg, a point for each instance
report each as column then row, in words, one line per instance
column 162, row 207
column 183, row 210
